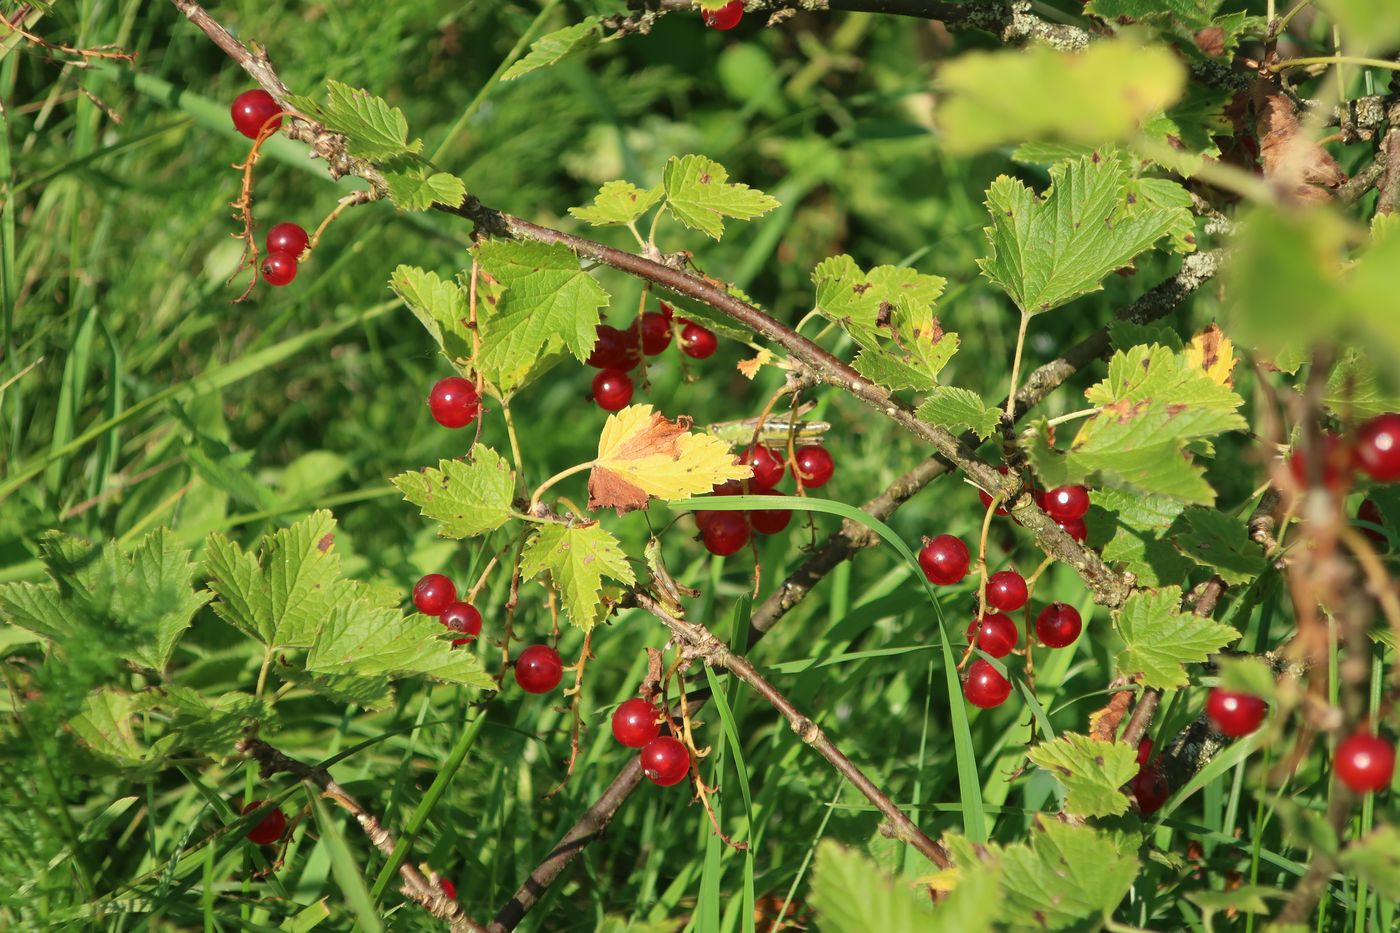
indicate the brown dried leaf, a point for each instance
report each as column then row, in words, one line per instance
column 1292, row 161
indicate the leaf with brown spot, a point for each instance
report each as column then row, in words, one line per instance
column 1212, row 351
column 643, row 455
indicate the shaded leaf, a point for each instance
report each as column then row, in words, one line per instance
column 1220, row 542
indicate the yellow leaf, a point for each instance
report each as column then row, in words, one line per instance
column 751, row 367
column 642, row 455
column 1212, row 351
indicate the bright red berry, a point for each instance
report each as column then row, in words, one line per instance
column 287, row 238
column 269, row 828
column 770, row 521
column 279, row 268
column 433, row 593
column 448, row 888
column 1368, row 511
column 697, row 342
column 636, row 722
column 1075, row 528
column 1144, row 751
column 768, row 467
column 1151, row 789
column 665, row 761
column 814, row 465
column 538, row 669
column 252, row 110
column 1365, row 762
column 612, row 389
column 986, row 497
column 996, row 635
column 1378, row 447
column 944, row 560
column 462, row 617
column 1235, row 714
column 1006, row 590
column 1058, row 625
column 454, row 402
column 985, row 687
column 656, row 332
column 1336, row 464
column 614, row 349
column 1066, row 503
column 726, row 17
column 726, row 533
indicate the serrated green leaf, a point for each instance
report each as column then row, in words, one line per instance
column 1124, row 335
column 374, row 693
column 577, row 558
column 618, row 202
column 1065, row 876
column 1376, row 858
column 40, row 608
column 105, row 726
column 1142, row 534
column 699, row 195
column 440, row 306
column 1090, row 770
column 852, row 895
column 552, row 48
column 1048, row 153
column 1167, row 195
column 1193, row 13
column 1218, row 541
column 468, row 498
column 414, row 186
column 1161, row 639
column 959, row 410
column 1356, row 387
column 211, row 727
column 372, row 129
column 1048, row 251
column 889, row 302
column 372, row 641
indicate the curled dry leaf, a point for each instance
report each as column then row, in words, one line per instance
column 643, row 455
column 1296, row 164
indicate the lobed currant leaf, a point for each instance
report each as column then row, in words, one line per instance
column 852, row 894
column 1091, row 772
column 414, row 186
column 1220, row 542
column 959, row 410
column 552, row 48
column 618, row 202
column 372, row 129
column 1161, row 640
column 699, row 195
column 468, row 498
column 366, row 640
column 577, row 558
column 440, row 306
column 642, row 455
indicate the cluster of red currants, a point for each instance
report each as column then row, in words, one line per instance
column 255, row 114
column 1067, row 505
column 617, row 352
column 637, row 724
column 725, row 533
column 726, row 17
column 1375, row 451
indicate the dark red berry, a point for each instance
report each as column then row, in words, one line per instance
column 1058, row 625
column 768, row 468
column 1006, row 590
column 665, row 761
column 986, row 497
column 1066, row 503
column 1368, row 511
column 1378, row 447
column 462, row 617
column 1151, row 789
column 726, row 17
column 279, row 268
column 269, row 828
column 1235, row 714
column 433, row 593
column 1075, row 528
column 996, row 634
column 615, row 349
column 538, row 669
column 1365, row 762
column 1144, row 751
column 1336, row 464
column 726, row 533
column 814, row 465
column 448, row 888
column 251, row 112
column 697, row 342
column 287, row 238
column 770, row 521
column 944, row 560
column 985, row 687
column 636, row 722
column 454, row 402
column 612, row 389
column 656, row 332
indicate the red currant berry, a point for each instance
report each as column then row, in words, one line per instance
column 1365, row 762
column 454, row 402
column 665, row 761
column 1151, row 790
column 770, row 521
column 1144, row 751
column 448, row 888
column 814, row 465
column 538, row 669
column 279, row 268
column 1006, row 590
column 985, row 687
column 986, row 497
column 636, row 723
column 1235, row 714
column 944, row 560
column 612, row 389
column 287, row 238
column 1336, row 464
column 614, row 349
column 1378, row 447
column 1058, row 625
column 1368, row 511
column 726, row 533
column 1066, row 503
column 269, row 828
column 656, row 332
column 768, row 468
column 1075, row 528
column 252, row 110
column 697, row 342
column 996, row 635
column 726, row 17
column 462, row 617
column 433, row 593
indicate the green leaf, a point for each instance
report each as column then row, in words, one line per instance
column 852, row 894
column 889, row 302
column 1167, row 195
column 698, row 195
column 1355, row 385
column 414, row 186
column 1161, row 639
column 440, row 306
column 959, row 410
column 40, row 608
column 211, row 727
column 577, row 558
column 372, row 129
column 105, row 726
column 1376, row 858
column 1050, row 250
column 552, row 48
column 1142, row 534
column 1066, row 874
column 1124, row 335
column 618, row 202
column 1247, row 898
column 469, row 497
column 1090, row 770
column 1220, row 542
column 371, row 641
column 1194, row 13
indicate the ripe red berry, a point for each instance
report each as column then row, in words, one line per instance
column 636, row 722
column 697, row 342
column 656, row 332
column 726, row 533
column 985, row 687
column 462, row 617
column 454, row 402
column 1065, row 503
column 1058, row 625
column 433, row 593
column 1378, row 447
column 944, row 560
column 986, row 497
column 996, row 635
column 770, row 521
column 612, row 389
column 279, row 268
column 448, row 888
column 768, row 467
column 665, row 761
column 287, row 238
column 726, row 17
column 1368, row 511
column 1365, row 762
column 1336, row 464
column 814, row 465
column 252, row 110
column 538, row 669
column 1235, row 714
column 614, row 349
column 1075, row 528
column 1144, row 751
column 1151, row 789
column 1006, row 590
column 269, row 828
